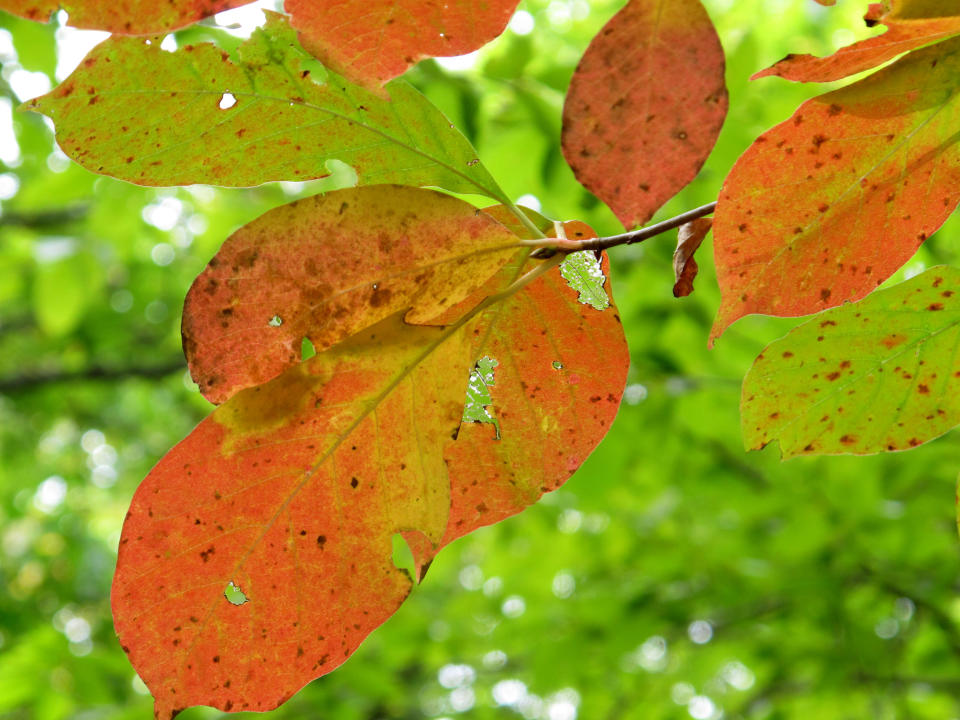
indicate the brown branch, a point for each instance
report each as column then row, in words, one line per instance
column 30, row 381
column 44, row 218
column 635, row 236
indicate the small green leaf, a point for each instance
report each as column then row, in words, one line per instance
column 879, row 375
column 582, row 271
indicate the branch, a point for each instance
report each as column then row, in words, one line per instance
column 44, row 218
column 20, row 383
column 635, row 236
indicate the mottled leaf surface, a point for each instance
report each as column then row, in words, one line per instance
column 133, row 17
column 324, row 268
column 879, row 375
column 827, row 205
column 645, row 105
column 372, row 41
column 910, row 24
column 136, row 112
column 291, row 491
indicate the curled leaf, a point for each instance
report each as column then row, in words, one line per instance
column 689, row 237
column 878, row 375
column 645, row 105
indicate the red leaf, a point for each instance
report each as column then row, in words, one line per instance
column 645, row 106
column 827, row 205
column 911, row 24
column 372, row 41
column 325, row 268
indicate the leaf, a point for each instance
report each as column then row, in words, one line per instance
column 827, row 205
column 152, row 117
column 143, row 18
column 367, row 41
column 289, row 493
column 911, row 24
column 326, row 267
column 257, row 554
column 372, row 41
column 645, row 106
column 881, row 374
column 689, row 237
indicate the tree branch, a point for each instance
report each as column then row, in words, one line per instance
column 44, row 218
column 30, row 381
column 635, row 236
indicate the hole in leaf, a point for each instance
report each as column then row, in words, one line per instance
column 307, row 350
column 477, row 406
column 234, row 594
column 169, row 43
column 275, row 321
column 582, row 272
column 227, row 101
column 557, row 365
column 403, row 556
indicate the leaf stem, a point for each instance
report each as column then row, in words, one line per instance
column 525, row 220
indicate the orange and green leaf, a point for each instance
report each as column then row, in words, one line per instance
column 910, row 24
column 826, row 206
column 645, row 106
column 135, row 17
column 136, row 112
column 257, row 555
column 326, row 267
column 879, row 375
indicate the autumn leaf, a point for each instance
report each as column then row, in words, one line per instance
column 139, row 113
column 367, row 41
column 910, row 24
column 372, row 41
column 827, row 205
column 645, row 106
column 878, row 375
column 137, row 17
column 291, row 492
column 257, row 555
column 326, row 267
column 689, row 237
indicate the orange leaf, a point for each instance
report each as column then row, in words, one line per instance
column 689, row 237
column 645, row 106
column 827, row 205
column 257, row 554
column 326, row 267
column 290, row 492
column 372, row 41
column 140, row 17
column 911, row 24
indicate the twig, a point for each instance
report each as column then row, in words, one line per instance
column 20, row 383
column 44, row 218
column 635, row 236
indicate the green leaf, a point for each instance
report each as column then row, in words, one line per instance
column 197, row 115
column 880, row 374
column 62, row 292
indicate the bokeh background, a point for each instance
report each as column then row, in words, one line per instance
column 674, row 576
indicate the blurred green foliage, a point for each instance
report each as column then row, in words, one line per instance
column 674, row 576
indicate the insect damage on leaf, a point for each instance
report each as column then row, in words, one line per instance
column 582, row 270
column 478, row 405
